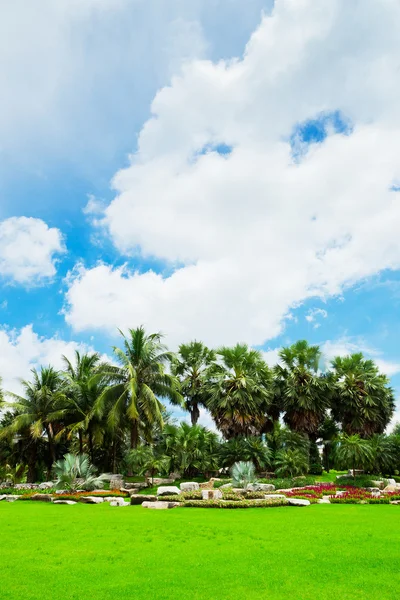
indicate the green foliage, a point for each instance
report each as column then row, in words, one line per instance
column 76, row 472
column 243, row 473
column 234, row 503
column 191, row 449
column 291, row 463
column 355, row 452
column 251, row 449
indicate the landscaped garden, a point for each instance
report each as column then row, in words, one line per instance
column 295, row 492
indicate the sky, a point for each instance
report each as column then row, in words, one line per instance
column 218, row 170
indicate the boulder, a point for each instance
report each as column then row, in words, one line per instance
column 150, row 482
column 42, row 497
column 260, row 487
column 140, row 485
column 225, row 486
column 189, row 486
column 170, row 490
column 118, row 502
column 140, row 498
column 211, row 494
column 26, row 486
column 91, row 499
column 11, row 497
column 58, row 492
column 298, row 502
column 324, row 500
column 379, row 484
column 175, row 476
column 46, row 485
column 69, row 502
column 116, row 482
column 160, row 505
column 390, row 488
column 392, row 482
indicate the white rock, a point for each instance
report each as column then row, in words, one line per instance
column 119, row 502
column 392, row 482
column 11, row 497
column 168, row 490
column 46, row 485
column 298, row 502
column 211, row 494
column 160, row 505
column 260, row 487
column 91, row 499
column 276, row 496
column 324, row 500
column 69, row 502
column 189, row 486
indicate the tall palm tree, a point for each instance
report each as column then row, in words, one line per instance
column 137, row 385
column 190, row 366
column 239, row 391
column 363, row 401
column 304, row 397
column 354, row 451
column 41, row 409
column 86, row 380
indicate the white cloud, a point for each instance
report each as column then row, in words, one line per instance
column 350, row 345
column 27, row 249
column 254, row 233
column 77, row 75
column 24, row 349
column 313, row 314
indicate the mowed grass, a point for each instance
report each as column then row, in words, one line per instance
column 86, row 552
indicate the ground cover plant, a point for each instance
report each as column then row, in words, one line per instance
column 103, row 553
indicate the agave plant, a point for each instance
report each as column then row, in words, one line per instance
column 75, row 472
column 242, row 474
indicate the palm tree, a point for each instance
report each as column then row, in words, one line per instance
column 75, row 472
column 354, row 451
column 190, row 367
column 383, row 454
column 362, row 401
column 86, row 383
column 191, row 449
column 239, row 391
column 138, row 383
column 291, row 463
column 304, row 396
column 242, row 449
column 41, row 409
column 146, row 459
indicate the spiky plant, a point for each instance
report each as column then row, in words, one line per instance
column 242, row 474
column 75, row 472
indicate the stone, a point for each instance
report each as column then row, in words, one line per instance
column 175, row 476
column 395, row 502
column 91, row 499
column 158, row 481
column 379, row 484
column 140, row 485
column 298, row 502
column 260, row 487
column 170, row 490
column 116, row 482
column 69, row 502
column 140, row 498
column 189, row 486
column 324, row 500
column 58, row 492
column 46, row 485
column 373, row 489
column 390, row 488
column 160, row 505
column 26, row 486
column 225, row 486
column 119, row 502
column 211, row 494
column 11, row 497
column 208, row 485
column 42, row 497
column 392, row 482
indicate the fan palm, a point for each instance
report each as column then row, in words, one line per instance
column 239, row 391
column 243, row 473
column 190, row 366
column 362, row 401
column 76, row 472
column 354, row 451
column 192, row 449
column 289, row 463
column 304, row 397
column 138, row 383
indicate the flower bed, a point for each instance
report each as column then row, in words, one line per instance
column 232, row 503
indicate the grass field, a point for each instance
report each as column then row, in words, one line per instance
column 86, row 552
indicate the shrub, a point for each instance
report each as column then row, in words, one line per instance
column 233, row 504
column 76, row 472
column 218, row 484
column 360, row 481
column 242, row 474
column 290, row 482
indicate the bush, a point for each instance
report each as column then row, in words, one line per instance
column 243, row 473
column 360, row 481
column 193, row 495
column 218, row 484
column 233, row 504
column 290, row 482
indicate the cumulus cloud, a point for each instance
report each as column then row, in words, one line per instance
column 313, row 315
column 249, row 232
column 22, row 350
column 28, row 248
column 350, row 345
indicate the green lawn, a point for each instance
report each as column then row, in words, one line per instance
column 86, row 552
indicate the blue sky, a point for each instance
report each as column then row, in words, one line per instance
column 216, row 171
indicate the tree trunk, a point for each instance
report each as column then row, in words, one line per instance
column 31, row 474
column 90, row 433
column 194, row 413
column 114, row 456
column 134, row 435
column 80, row 442
column 52, row 455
